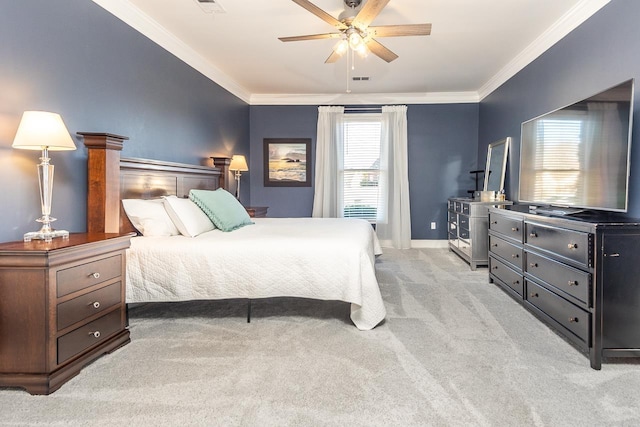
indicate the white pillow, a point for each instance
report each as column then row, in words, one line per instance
column 149, row 217
column 187, row 216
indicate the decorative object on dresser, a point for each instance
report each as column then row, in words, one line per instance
column 578, row 274
column 468, row 228
column 238, row 165
column 257, row 211
column 62, row 305
column 40, row 130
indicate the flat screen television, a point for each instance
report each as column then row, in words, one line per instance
column 578, row 156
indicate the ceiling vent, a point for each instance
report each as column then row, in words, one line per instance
column 210, row 6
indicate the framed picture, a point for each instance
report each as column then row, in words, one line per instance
column 287, row 162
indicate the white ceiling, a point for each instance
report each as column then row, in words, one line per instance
column 474, row 46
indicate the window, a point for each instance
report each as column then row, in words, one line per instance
column 360, row 176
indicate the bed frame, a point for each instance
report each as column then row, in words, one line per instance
column 112, row 178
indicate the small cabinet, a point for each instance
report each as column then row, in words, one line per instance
column 62, row 305
column 467, row 226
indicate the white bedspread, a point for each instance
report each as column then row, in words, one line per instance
column 327, row 259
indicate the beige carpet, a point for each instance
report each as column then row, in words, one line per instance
column 454, row 351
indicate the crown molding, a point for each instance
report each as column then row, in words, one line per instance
column 138, row 20
column 579, row 13
column 365, row 98
column 141, row 22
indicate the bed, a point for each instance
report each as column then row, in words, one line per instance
column 326, row 259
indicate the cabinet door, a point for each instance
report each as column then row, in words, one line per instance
column 620, row 291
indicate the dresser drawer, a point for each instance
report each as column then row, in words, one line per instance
column 463, row 221
column 507, row 275
column 86, row 305
column 452, row 217
column 508, row 251
column 569, row 244
column 574, row 282
column 86, row 336
column 466, row 209
column 85, row 275
column 509, row 227
column 569, row 316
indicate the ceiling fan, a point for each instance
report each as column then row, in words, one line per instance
column 354, row 30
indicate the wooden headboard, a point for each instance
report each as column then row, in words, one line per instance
column 112, row 178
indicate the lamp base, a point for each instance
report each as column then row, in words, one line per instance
column 45, row 233
column 47, row 236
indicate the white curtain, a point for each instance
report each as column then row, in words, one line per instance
column 329, row 146
column 393, row 226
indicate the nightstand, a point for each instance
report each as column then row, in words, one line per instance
column 257, row 211
column 62, row 305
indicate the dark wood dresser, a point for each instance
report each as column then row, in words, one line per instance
column 579, row 274
column 62, row 305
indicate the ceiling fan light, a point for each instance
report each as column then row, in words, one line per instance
column 355, row 40
column 362, row 50
column 341, row 47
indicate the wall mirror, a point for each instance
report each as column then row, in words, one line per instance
column 496, row 165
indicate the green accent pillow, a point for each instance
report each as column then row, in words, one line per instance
column 224, row 210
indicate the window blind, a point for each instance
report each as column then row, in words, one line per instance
column 361, row 173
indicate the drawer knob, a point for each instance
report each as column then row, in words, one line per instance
column 494, row 245
column 495, row 267
column 96, row 334
column 494, row 222
column 515, row 256
column 514, row 228
column 533, row 235
column 95, row 275
column 573, row 320
column 573, row 283
column 517, row 282
column 96, row 304
column 572, row 246
column 533, row 295
column 533, row 264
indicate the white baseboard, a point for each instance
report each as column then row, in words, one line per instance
column 430, row 244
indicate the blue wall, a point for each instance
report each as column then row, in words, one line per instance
column 74, row 58
column 602, row 52
column 442, row 150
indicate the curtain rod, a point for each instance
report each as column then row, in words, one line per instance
column 362, row 109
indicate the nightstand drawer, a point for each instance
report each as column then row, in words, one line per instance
column 86, row 336
column 85, row 275
column 86, row 305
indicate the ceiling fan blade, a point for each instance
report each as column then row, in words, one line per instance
column 400, row 30
column 378, row 49
column 368, row 13
column 320, row 13
column 333, row 58
column 311, row 37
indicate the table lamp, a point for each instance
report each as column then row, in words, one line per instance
column 39, row 130
column 238, row 164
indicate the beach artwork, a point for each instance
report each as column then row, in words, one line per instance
column 287, row 162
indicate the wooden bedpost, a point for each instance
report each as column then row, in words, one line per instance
column 223, row 163
column 103, row 181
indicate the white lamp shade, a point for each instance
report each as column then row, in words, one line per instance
column 39, row 129
column 238, row 163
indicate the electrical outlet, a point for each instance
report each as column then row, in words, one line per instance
column 433, row 225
